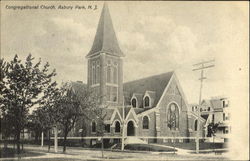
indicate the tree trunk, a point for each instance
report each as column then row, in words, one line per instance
column 18, row 141
column 42, row 136
column 49, row 141
column 36, row 137
column 22, row 139
column 102, row 147
column 65, row 141
column 213, row 144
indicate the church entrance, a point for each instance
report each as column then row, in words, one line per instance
column 130, row 129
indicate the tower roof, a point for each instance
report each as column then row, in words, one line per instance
column 105, row 38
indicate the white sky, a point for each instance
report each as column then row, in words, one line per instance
column 156, row 37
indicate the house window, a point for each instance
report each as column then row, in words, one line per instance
column 173, row 116
column 195, row 125
column 145, row 122
column 107, row 128
column 224, row 117
column 213, row 118
column 117, row 127
column 93, row 126
column 208, row 109
column 192, row 108
column 134, row 102
column 146, row 101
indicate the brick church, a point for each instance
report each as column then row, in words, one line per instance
column 153, row 107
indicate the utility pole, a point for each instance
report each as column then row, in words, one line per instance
column 123, row 124
column 201, row 67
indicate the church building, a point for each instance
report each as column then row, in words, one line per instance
column 154, row 106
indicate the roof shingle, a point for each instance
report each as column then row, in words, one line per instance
column 105, row 38
column 156, row 83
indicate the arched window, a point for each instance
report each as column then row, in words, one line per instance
column 173, row 116
column 97, row 72
column 146, row 101
column 192, row 108
column 109, row 72
column 145, row 122
column 195, row 125
column 117, row 126
column 208, row 109
column 115, row 75
column 93, row 126
column 134, row 102
column 93, row 73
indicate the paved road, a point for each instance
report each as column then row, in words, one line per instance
column 78, row 153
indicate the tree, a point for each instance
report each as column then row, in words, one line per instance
column 43, row 120
column 22, row 87
column 71, row 106
column 100, row 114
column 212, row 128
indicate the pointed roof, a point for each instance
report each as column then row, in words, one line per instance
column 105, row 38
column 156, row 83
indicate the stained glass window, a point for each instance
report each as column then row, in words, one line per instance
column 173, row 117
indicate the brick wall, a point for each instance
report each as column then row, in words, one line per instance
column 173, row 96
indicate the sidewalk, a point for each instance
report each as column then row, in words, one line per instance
column 78, row 153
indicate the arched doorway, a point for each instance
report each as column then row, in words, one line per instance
column 130, row 129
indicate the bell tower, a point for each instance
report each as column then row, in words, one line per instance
column 105, row 62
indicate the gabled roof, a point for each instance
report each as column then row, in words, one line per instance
column 105, row 38
column 126, row 110
column 156, row 83
column 78, row 86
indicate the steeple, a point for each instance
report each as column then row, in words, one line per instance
column 105, row 38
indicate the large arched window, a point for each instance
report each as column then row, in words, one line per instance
column 146, row 101
column 195, row 125
column 173, row 116
column 117, row 127
column 93, row 126
column 134, row 102
column 145, row 122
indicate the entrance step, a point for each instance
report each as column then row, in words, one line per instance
column 134, row 140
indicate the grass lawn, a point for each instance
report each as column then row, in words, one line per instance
column 10, row 153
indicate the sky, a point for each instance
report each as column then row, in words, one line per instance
column 156, row 37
